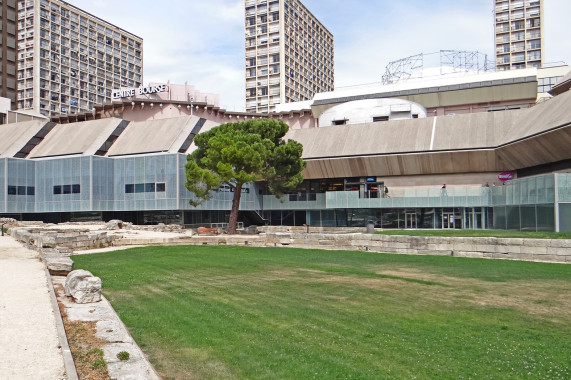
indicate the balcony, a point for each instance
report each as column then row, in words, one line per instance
column 534, row 190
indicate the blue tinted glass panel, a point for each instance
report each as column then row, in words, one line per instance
column 12, row 190
column 31, row 190
column 140, row 188
column 129, row 188
column 76, row 189
column 21, row 190
column 149, row 187
column 57, row 189
column 66, row 189
column 161, row 187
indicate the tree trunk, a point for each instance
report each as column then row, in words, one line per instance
column 233, row 220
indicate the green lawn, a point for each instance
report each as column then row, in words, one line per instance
column 204, row 312
column 481, row 233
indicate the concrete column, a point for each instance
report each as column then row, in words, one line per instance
column 556, row 201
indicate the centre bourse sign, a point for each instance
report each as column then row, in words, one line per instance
column 130, row 92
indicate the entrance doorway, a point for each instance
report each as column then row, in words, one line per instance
column 448, row 220
column 410, row 220
column 473, row 218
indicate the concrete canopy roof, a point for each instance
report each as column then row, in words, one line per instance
column 208, row 125
column 153, row 136
column 478, row 142
column 467, row 143
column 83, row 138
column 13, row 137
column 562, row 86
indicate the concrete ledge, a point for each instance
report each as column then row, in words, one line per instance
column 557, row 251
column 68, row 362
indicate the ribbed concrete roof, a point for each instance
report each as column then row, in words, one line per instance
column 563, row 85
column 469, row 131
column 152, row 136
column 363, row 139
column 83, row 138
column 543, row 117
column 208, row 125
column 503, row 140
column 13, row 137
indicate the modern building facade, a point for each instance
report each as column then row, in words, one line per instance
column 518, row 35
column 289, row 54
column 8, row 51
column 134, row 171
column 430, row 96
column 70, row 60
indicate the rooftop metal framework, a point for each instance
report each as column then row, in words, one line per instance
column 450, row 61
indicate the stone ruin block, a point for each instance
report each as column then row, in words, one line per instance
column 83, row 287
column 58, row 266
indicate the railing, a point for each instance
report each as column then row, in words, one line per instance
column 533, row 190
column 240, row 225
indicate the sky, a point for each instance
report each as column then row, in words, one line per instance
column 202, row 41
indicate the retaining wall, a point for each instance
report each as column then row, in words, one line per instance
column 38, row 238
column 547, row 250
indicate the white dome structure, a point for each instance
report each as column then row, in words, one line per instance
column 371, row 110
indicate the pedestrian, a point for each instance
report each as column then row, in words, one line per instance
column 443, row 191
column 386, row 192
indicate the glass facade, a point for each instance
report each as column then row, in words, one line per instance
column 564, row 201
column 151, row 189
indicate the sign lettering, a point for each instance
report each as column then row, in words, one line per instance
column 130, row 92
column 506, row 176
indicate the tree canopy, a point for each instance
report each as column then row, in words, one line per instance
column 235, row 154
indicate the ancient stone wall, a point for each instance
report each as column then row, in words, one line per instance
column 37, row 238
column 547, row 250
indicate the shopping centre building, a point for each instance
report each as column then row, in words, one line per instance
column 126, row 159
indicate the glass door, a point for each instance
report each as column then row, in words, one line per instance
column 410, row 220
column 448, row 221
column 473, row 218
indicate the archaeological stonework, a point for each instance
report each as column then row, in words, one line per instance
column 83, row 287
column 60, row 243
column 76, row 239
column 547, row 250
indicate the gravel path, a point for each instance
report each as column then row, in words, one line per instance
column 29, row 345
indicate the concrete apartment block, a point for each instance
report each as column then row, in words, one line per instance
column 70, row 60
column 518, row 34
column 289, row 54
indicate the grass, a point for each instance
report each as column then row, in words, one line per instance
column 226, row 312
column 481, row 233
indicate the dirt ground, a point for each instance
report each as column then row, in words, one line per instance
column 29, row 345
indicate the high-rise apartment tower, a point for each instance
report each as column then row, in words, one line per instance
column 8, row 36
column 289, row 54
column 518, row 34
column 70, row 60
